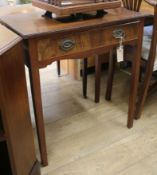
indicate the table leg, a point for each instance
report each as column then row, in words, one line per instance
column 135, row 78
column 133, row 91
column 37, row 102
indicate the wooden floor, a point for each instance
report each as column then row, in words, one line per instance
column 84, row 138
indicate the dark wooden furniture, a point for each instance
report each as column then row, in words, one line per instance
column 134, row 6
column 149, row 64
column 130, row 5
column 17, row 150
column 46, row 40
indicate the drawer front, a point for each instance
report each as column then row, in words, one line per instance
column 74, row 44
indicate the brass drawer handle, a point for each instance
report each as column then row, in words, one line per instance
column 67, row 44
column 118, row 33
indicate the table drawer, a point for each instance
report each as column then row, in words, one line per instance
column 69, row 45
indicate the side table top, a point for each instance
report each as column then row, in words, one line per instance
column 7, row 39
column 27, row 21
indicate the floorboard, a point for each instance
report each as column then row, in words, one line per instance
column 84, row 138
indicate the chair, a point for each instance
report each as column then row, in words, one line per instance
column 131, row 5
column 150, row 56
column 134, row 6
column 148, row 60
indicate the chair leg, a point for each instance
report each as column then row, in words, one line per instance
column 84, row 77
column 97, row 78
column 144, row 89
column 112, row 61
column 58, row 68
column 140, row 76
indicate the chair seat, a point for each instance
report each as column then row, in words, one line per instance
column 146, row 45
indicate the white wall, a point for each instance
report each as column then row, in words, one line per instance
column 3, row 2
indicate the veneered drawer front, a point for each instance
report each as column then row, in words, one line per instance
column 68, row 45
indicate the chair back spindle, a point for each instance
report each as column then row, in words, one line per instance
column 132, row 4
